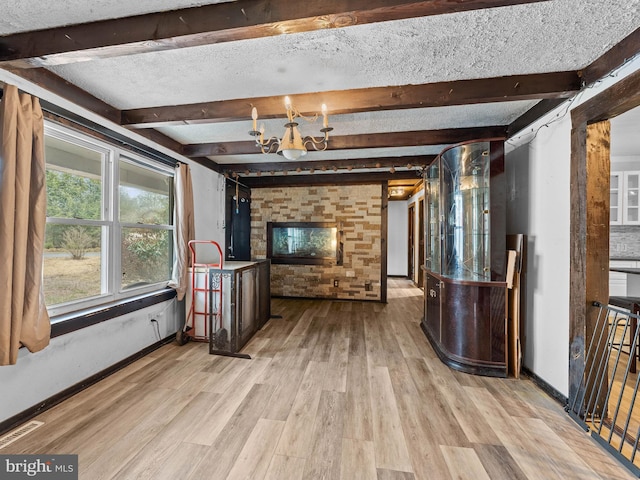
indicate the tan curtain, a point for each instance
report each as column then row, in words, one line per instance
column 23, row 315
column 184, row 228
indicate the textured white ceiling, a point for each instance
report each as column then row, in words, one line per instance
column 360, row 123
column 26, row 15
column 556, row 35
column 336, row 155
column 541, row 37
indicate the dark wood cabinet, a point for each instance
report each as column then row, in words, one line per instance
column 465, row 290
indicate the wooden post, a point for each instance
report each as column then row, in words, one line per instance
column 590, row 171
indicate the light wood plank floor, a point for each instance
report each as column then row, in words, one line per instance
column 334, row 390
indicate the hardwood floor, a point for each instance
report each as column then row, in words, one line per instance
column 334, row 390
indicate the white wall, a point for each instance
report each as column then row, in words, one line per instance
column 538, row 205
column 71, row 358
column 538, row 170
column 397, row 238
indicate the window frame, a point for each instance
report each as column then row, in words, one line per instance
column 112, row 293
column 120, row 225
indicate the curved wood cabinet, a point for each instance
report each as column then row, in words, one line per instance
column 465, row 288
column 466, row 325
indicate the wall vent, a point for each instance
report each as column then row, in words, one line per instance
column 19, row 432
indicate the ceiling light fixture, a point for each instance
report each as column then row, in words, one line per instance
column 292, row 145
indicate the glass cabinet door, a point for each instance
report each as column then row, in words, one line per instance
column 464, row 202
column 631, row 209
column 615, row 198
column 432, row 220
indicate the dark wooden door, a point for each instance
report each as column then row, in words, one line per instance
column 411, row 260
column 238, row 222
column 420, row 243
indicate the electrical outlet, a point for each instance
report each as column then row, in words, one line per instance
column 336, row 283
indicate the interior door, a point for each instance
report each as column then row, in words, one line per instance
column 238, row 222
column 411, row 260
column 420, row 243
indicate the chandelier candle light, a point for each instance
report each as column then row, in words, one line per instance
column 292, row 145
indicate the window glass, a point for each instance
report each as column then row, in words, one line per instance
column 145, row 215
column 109, row 232
column 74, row 180
column 144, row 195
column 146, row 256
column 72, row 271
column 74, row 267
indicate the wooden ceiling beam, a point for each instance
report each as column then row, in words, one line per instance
column 533, row 114
column 618, row 55
column 325, row 179
column 328, row 165
column 215, row 23
column 461, row 92
column 614, row 58
column 373, row 140
column 64, row 89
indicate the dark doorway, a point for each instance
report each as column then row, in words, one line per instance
column 237, row 221
column 420, row 243
column 411, row 262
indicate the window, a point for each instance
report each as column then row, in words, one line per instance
column 145, row 221
column 109, row 222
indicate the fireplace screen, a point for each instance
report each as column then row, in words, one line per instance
column 305, row 243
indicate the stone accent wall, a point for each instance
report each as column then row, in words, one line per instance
column 358, row 209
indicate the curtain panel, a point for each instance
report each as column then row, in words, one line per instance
column 184, row 229
column 24, row 320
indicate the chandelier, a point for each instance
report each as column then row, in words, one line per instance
column 292, row 145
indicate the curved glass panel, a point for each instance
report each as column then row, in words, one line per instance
column 432, row 191
column 465, row 172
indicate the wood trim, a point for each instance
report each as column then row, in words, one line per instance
column 12, row 422
column 349, row 142
column 533, row 114
column 411, row 242
column 328, row 165
column 620, row 53
column 72, row 322
column 59, row 86
column 469, row 283
column 578, row 251
column 589, row 268
column 589, row 227
column 545, row 387
column 209, row 24
column 460, row 92
column 498, row 209
column 384, row 237
column 64, row 117
column 617, row 99
column 325, row 179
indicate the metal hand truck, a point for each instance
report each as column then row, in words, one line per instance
column 205, row 310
